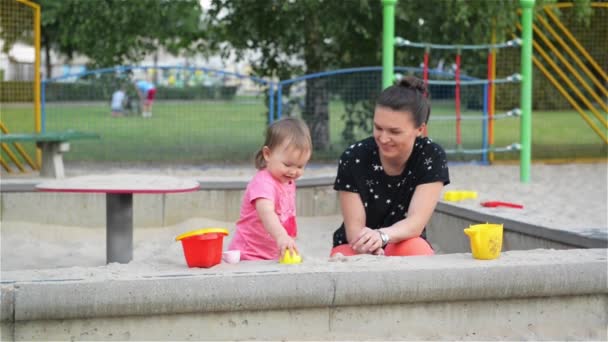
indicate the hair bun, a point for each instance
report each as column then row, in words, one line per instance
column 411, row 82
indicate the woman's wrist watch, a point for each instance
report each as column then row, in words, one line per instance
column 384, row 237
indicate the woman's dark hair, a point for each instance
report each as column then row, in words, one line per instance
column 407, row 95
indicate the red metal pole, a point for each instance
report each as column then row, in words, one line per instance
column 457, row 100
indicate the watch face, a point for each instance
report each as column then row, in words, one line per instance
column 384, row 238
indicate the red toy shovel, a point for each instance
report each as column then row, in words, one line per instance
column 494, row 204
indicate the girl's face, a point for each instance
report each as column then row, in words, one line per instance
column 395, row 133
column 285, row 163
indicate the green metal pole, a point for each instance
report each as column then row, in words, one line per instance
column 526, row 90
column 388, row 42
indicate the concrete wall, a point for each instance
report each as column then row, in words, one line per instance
column 547, row 294
column 445, row 231
column 220, row 201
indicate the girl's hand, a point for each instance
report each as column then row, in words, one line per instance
column 367, row 242
column 286, row 242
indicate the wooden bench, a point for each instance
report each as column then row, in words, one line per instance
column 53, row 144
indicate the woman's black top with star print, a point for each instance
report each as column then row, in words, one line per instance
column 387, row 198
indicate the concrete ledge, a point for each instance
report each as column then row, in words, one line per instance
column 539, row 318
column 465, row 217
column 358, row 282
column 216, row 200
column 29, row 185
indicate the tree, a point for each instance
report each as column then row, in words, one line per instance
column 321, row 35
column 113, row 32
column 308, row 36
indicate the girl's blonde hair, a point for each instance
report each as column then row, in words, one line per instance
column 290, row 130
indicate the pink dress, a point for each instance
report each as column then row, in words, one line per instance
column 251, row 238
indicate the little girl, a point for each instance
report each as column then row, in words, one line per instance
column 267, row 224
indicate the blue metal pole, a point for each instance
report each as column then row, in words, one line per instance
column 43, row 100
column 270, row 103
column 279, row 100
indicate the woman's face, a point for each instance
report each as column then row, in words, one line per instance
column 395, row 132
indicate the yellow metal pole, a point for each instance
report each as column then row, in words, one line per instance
column 37, row 116
column 578, row 61
column 5, row 165
column 569, row 98
column 12, row 156
column 568, row 34
column 568, row 66
column 568, row 81
column 20, row 149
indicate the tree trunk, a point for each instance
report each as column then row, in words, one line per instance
column 47, row 61
column 316, row 113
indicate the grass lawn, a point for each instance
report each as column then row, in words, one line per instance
column 199, row 131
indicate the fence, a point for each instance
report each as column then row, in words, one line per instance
column 19, row 59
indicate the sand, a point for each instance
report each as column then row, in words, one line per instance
column 571, row 197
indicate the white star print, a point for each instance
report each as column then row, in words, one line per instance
column 348, row 186
column 388, row 201
column 428, row 161
column 357, row 161
column 376, row 196
column 376, row 167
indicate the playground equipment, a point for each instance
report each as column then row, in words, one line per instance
column 390, row 41
column 577, row 76
column 19, row 14
column 489, row 84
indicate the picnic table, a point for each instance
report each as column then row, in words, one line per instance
column 52, row 144
column 119, row 190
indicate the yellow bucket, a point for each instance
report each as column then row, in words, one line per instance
column 486, row 240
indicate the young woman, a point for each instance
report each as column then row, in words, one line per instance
column 389, row 184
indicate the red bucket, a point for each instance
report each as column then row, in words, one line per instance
column 203, row 247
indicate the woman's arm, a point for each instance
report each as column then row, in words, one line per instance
column 362, row 239
column 419, row 213
column 353, row 213
column 270, row 221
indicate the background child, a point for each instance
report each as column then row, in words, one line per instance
column 267, row 224
column 118, row 101
column 146, row 91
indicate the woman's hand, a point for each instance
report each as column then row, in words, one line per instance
column 368, row 241
column 285, row 243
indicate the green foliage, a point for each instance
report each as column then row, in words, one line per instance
column 295, row 37
column 114, row 32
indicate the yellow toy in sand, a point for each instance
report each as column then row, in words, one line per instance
column 459, row 195
column 288, row 259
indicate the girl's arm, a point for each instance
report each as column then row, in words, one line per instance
column 419, row 213
column 270, row 221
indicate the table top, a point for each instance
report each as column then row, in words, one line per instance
column 120, row 184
